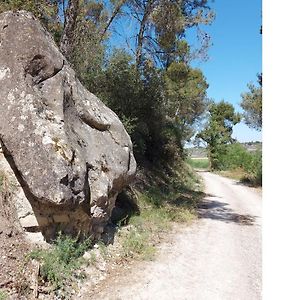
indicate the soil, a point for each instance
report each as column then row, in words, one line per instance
column 15, row 268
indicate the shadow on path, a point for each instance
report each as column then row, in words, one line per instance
column 217, row 210
column 248, row 183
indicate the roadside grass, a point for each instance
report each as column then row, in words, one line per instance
column 174, row 199
column 237, row 174
column 240, row 175
column 60, row 262
column 103, row 250
column 198, row 163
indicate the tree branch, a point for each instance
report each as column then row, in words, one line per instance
column 67, row 38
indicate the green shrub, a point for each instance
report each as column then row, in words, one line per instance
column 254, row 168
column 237, row 157
column 59, row 263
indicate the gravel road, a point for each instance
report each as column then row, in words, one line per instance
column 216, row 258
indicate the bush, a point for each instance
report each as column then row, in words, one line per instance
column 237, row 157
column 59, row 263
column 254, row 168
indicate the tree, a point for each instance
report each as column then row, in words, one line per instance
column 252, row 105
column 67, row 37
column 162, row 24
column 78, row 26
column 185, row 96
column 155, row 92
column 44, row 10
column 218, row 130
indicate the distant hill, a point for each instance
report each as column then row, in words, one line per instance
column 197, row 152
column 202, row 152
column 252, row 146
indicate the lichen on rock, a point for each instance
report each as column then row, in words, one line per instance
column 70, row 153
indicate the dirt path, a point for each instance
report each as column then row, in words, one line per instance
column 217, row 258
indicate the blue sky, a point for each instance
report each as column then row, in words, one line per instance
column 235, row 56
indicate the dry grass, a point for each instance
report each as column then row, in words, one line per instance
column 163, row 201
column 237, row 174
column 241, row 176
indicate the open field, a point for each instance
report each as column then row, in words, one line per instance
column 198, row 162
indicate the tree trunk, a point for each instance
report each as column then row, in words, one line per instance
column 140, row 37
column 67, row 38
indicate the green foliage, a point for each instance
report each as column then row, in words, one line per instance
column 40, row 9
column 59, row 262
column 185, row 93
column 254, row 169
column 3, row 295
column 162, row 26
column 237, row 157
column 218, row 130
column 136, row 245
column 45, row 11
column 252, row 105
column 168, row 197
column 157, row 107
column 198, row 163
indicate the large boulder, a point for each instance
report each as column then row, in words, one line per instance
column 69, row 152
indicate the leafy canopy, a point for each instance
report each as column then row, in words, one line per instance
column 252, row 105
column 218, row 130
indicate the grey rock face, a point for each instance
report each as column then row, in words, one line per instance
column 70, row 153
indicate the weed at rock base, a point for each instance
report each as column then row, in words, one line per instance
column 60, row 263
